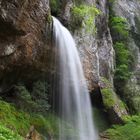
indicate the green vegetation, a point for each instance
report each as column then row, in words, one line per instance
column 48, row 126
column 40, row 96
column 84, row 16
column 119, row 28
column 132, row 97
column 122, row 54
column 24, row 99
column 129, row 131
column 123, row 59
column 7, row 134
column 55, row 7
column 29, row 107
column 36, row 98
column 100, row 119
column 17, row 121
column 20, row 122
column 108, row 97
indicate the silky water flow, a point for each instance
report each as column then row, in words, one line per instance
column 74, row 105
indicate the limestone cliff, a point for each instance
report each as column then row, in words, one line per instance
column 25, row 46
column 23, row 41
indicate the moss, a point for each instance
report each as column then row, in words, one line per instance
column 106, row 83
column 84, row 16
column 101, row 119
column 108, row 94
column 108, row 98
column 49, row 19
column 128, row 131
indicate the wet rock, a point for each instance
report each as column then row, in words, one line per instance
column 65, row 14
column 33, row 135
column 104, row 136
column 23, row 36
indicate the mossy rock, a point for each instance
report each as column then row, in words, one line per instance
column 108, row 98
column 112, row 103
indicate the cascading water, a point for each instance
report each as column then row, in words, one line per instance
column 74, row 104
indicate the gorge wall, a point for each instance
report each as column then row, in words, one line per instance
column 22, row 38
column 26, row 47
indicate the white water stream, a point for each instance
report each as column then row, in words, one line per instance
column 74, row 103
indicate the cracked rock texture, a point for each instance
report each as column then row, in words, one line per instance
column 23, row 38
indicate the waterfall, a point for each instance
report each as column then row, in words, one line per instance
column 74, row 104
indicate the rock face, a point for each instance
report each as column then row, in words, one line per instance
column 22, row 36
column 33, row 135
column 97, row 55
column 25, row 39
column 112, row 103
column 104, row 42
column 130, row 9
column 96, row 51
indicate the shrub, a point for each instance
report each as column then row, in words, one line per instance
column 40, row 95
column 129, row 131
column 122, row 73
column 120, row 32
column 119, row 27
column 7, row 134
column 24, row 98
column 55, row 7
column 122, row 53
column 33, row 100
column 84, row 16
column 17, row 121
column 123, row 60
column 48, row 126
